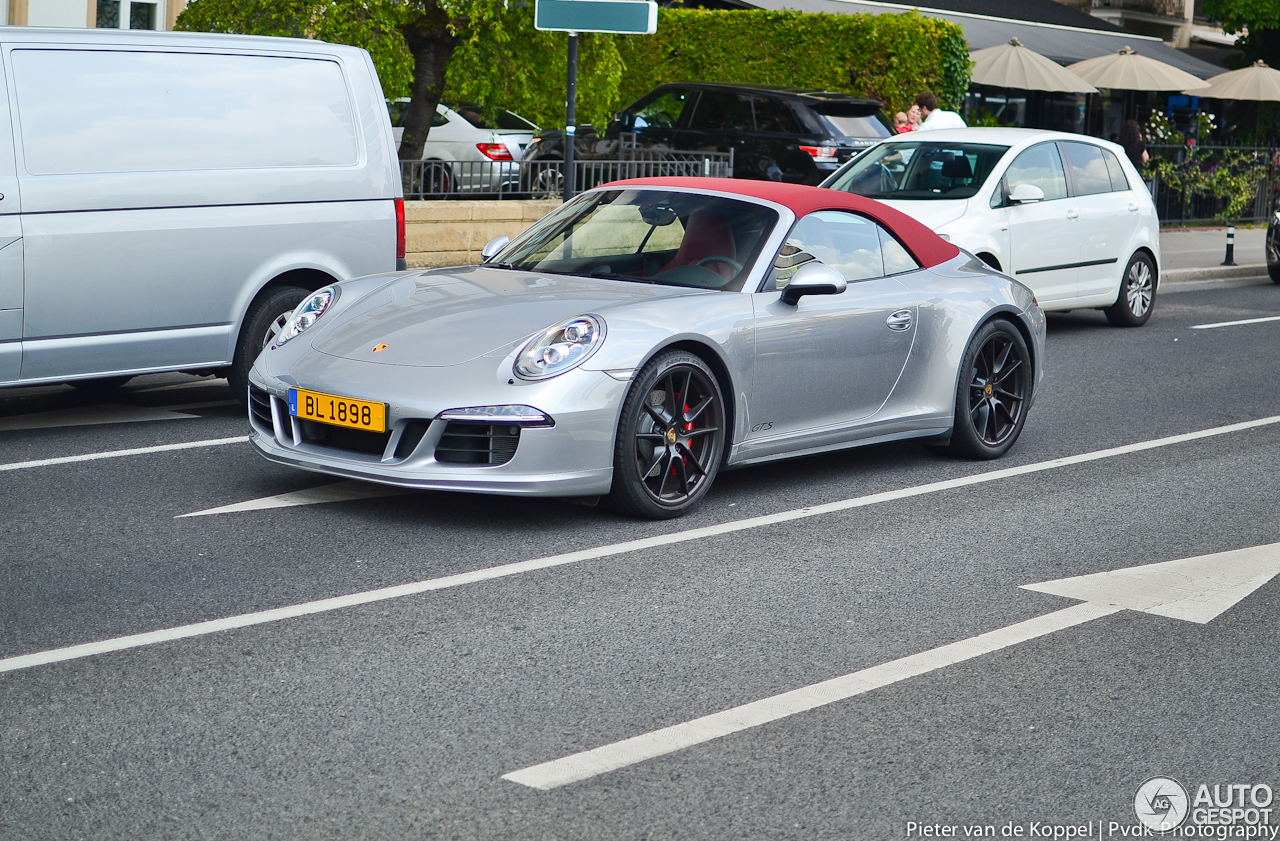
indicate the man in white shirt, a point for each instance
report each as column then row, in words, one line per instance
column 935, row 117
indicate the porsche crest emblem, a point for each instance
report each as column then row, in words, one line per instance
column 379, row 348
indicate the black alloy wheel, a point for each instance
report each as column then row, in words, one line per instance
column 670, row 438
column 993, row 394
column 267, row 316
column 1137, row 294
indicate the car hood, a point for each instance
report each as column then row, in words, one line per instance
column 935, row 212
column 451, row 317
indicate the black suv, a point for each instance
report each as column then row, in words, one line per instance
column 776, row 134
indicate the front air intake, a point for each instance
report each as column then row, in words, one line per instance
column 468, row 442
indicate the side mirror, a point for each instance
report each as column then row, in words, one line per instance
column 813, row 278
column 1026, row 194
column 492, row 247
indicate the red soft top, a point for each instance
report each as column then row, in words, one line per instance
column 928, row 248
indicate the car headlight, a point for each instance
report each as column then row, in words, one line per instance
column 307, row 313
column 561, row 347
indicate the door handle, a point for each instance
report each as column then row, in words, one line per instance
column 1073, row 214
column 899, row 321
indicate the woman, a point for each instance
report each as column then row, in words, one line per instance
column 1131, row 140
column 914, row 117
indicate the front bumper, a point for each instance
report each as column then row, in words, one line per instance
column 572, row 458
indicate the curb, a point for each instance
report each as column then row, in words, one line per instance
column 1214, row 273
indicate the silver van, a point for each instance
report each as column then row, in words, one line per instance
column 167, row 199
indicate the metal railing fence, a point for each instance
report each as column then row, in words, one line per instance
column 445, row 180
column 1173, row 207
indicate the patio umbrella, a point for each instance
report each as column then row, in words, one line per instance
column 1259, row 83
column 1128, row 71
column 1012, row 65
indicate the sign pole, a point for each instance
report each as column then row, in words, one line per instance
column 571, row 116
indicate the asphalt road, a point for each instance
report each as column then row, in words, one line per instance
column 398, row 718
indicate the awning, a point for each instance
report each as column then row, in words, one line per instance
column 1063, row 44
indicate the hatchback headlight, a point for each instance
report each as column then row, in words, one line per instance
column 559, row 348
column 307, row 313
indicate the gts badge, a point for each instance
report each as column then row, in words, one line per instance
column 762, row 427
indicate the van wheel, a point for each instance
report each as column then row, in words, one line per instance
column 267, row 316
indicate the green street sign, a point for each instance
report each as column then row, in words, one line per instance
column 626, row 17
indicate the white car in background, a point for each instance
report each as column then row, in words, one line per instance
column 1065, row 214
column 465, row 152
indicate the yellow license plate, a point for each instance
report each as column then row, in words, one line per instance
column 339, row 411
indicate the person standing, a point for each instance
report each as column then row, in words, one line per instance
column 913, row 117
column 1134, row 147
column 935, row 117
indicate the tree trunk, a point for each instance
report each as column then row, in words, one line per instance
column 432, row 44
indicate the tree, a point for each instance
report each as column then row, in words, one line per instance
column 1260, row 19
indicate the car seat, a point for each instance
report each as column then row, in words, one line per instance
column 707, row 234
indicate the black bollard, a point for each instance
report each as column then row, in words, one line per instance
column 1231, row 246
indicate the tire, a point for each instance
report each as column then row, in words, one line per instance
column 993, row 393
column 1273, row 269
column 99, row 384
column 547, row 183
column 667, row 455
column 266, row 317
column 1137, row 294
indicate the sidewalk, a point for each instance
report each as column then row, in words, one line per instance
column 1196, row 254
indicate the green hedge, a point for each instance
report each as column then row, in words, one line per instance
column 886, row 57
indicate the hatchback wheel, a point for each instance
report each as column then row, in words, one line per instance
column 993, row 393
column 1137, row 294
column 670, row 438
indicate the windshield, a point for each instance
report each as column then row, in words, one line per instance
column 647, row 236
column 918, row 170
column 856, row 126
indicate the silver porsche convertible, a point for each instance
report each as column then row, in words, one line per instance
column 645, row 336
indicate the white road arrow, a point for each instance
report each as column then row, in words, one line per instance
column 337, row 492
column 1195, row 589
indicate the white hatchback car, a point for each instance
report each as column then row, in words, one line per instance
column 1065, row 214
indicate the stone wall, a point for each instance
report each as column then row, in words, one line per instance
column 451, row 233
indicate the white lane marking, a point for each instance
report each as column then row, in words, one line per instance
column 89, row 416
column 611, row 757
column 73, row 652
column 1235, row 323
column 136, row 451
column 337, row 492
column 1195, row 589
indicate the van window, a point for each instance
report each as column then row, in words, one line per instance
column 84, row 111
